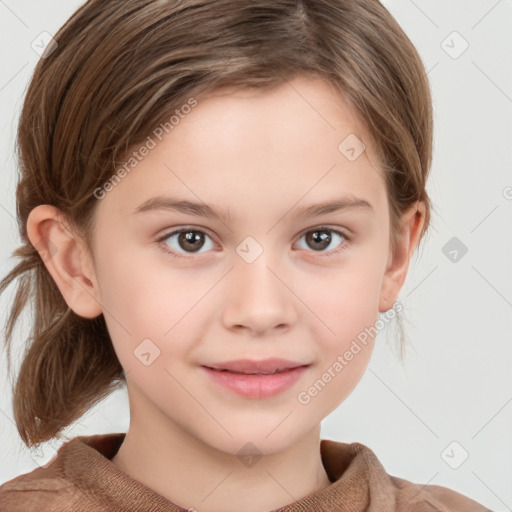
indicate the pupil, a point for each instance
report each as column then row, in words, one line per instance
column 193, row 239
column 320, row 237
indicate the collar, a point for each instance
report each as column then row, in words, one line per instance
column 357, row 477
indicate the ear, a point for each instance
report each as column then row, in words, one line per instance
column 407, row 239
column 65, row 258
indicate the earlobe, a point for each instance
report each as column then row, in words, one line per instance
column 63, row 254
column 407, row 239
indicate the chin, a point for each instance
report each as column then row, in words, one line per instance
column 263, row 438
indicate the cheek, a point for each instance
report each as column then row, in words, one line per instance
column 346, row 298
column 347, row 311
column 152, row 301
column 346, row 303
column 143, row 289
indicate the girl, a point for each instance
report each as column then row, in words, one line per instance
column 290, row 143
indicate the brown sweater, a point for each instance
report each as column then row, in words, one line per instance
column 82, row 478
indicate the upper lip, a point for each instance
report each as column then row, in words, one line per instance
column 268, row 366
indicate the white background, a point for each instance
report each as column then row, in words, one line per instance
column 456, row 382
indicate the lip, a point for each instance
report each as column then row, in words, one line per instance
column 256, row 378
column 256, row 366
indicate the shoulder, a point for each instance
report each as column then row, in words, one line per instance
column 358, row 463
column 436, row 497
column 355, row 470
column 36, row 491
column 58, row 485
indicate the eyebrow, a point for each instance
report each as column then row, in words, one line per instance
column 204, row 210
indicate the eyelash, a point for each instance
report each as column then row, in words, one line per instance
column 165, row 248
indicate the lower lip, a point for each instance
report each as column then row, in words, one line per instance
column 256, row 386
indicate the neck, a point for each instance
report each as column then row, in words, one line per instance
column 198, row 477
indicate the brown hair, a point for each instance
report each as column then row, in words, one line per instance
column 120, row 69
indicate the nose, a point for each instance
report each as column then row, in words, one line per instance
column 258, row 297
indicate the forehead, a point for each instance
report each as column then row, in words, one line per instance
column 306, row 108
column 242, row 145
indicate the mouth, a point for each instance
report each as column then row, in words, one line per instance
column 256, row 379
column 272, row 372
column 252, row 366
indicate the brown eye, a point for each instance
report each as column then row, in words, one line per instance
column 320, row 239
column 186, row 241
column 191, row 240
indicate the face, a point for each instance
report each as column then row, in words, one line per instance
column 263, row 273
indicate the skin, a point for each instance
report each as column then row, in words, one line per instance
column 263, row 155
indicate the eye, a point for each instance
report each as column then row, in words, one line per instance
column 190, row 241
column 322, row 238
column 185, row 240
